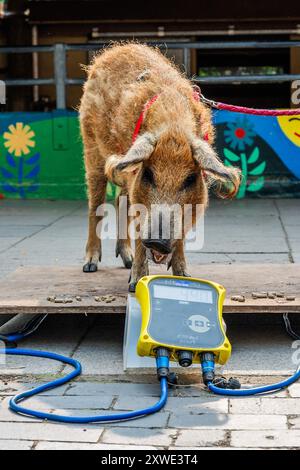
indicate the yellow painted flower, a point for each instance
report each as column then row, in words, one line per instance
column 19, row 139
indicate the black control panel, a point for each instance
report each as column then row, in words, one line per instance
column 184, row 313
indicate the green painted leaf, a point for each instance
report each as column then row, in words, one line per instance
column 109, row 189
column 256, row 185
column 254, row 156
column 258, row 170
column 227, row 163
column 232, row 157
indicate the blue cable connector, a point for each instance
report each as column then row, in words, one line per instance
column 232, row 387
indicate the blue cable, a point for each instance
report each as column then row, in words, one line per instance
column 14, row 338
column 161, row 362
column 256, row 390
column 13, row 404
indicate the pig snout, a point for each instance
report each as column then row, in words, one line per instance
column 159, row 244
column 158, row 250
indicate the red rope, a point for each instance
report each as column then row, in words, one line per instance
column 259, row 112
column 243, row 109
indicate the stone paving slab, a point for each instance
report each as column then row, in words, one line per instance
column 200, row 448
column 37, row 250
column 246, row 207
column 289, row 211
column 251, row 217
column 50, row 432
column 260, row 349
column 234, row 243
column 36, row 206
column 10, row 387
column 7, row 242
column 13, row 444
column 187, row 405
column 225, row 421
column 74, row 403
column 294, row 421
column 136, row 435
column 97, row 447
column 201, row 438
column 157, row 420
column 105, row 342
column 128, row 389
column 18, row 231
column 265, row 439
column 294, row 390
column 7, row 415
column 265, row 406
column 230, row 258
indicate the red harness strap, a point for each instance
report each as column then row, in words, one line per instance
column 148, row 104
column 142, row 116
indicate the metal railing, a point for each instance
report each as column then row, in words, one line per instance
column 61, row 80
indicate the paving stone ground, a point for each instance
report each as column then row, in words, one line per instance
column 53, row 233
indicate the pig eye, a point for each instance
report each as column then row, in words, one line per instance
column 148, row 176
column 189, row 181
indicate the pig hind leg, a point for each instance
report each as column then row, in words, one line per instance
column 178, row 260
column 123, row 246
column 139, row 266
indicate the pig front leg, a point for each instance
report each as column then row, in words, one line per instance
column 139, row 266
column 123, row 246
column 96, row 183
column 178, row 260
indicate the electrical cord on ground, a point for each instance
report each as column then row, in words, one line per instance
column 14, row 402
column 256, row 390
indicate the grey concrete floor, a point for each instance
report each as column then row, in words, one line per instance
column 54, row 233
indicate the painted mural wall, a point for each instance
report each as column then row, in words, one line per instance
column 41, row 154
column 266, row 148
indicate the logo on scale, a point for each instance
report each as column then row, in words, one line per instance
column 198, row 323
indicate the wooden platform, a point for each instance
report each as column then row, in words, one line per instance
column 27, row 289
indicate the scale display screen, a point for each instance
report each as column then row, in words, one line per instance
column 184, row 313
column 183, row 294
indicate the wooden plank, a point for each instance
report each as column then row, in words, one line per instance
column 27, row 289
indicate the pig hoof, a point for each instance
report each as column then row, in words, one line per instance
column 127, row 263
column 127, row 260
column 132, row 286
column 90, row 267
column 125, row 254
column 181, row 273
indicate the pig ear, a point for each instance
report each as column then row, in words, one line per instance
column 138, row 152
column 218, row 173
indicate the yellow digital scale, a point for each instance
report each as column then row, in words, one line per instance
column 183, row 315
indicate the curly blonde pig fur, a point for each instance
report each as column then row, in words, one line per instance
column 168, row 161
